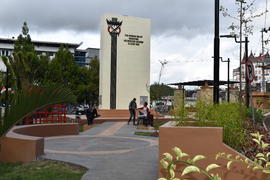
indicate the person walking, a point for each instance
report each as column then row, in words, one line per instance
column 132, row 111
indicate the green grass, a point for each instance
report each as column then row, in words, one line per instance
column 157, row 125
column 144, row 133
column 40, row 170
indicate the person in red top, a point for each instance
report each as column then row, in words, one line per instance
column 145, row 115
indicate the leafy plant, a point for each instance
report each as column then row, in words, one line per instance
column 261, row 161
column 169, row 163
column 258, row 114
column 25, row 103
column 180, row 114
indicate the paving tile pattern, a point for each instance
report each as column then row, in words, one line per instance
column 110, row 151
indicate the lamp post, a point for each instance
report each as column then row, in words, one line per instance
column 246, row 55
column 216, row 54
column 228, row 79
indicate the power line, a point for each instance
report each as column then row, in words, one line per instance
column 191, row 61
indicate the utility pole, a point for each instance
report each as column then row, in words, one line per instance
column 240, row 53
column 216, row 55
column 247, row 82
column 263, row 86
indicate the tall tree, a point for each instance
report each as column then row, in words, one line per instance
column 24, row 66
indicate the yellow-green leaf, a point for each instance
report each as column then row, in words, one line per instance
column 211, row 166
column 177, row 151
column 190, row 169
column 172, row 173
column 260, row 155
column 197, row 158
column 264, row 145
column 267, row 171
column 229, row 165
column 164, row 163
column 184, row 155
column 168, row 156
column 176, row 179
column 256, row 168
column 162, row 179
column 256, row 140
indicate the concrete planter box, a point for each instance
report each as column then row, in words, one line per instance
column 205, row 141
column 26, row 143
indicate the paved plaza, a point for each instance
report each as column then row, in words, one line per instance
column 109, row 151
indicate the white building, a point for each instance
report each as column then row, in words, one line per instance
column 124, row 61
column 41, row 47
column 82, row 57
column 257, row 63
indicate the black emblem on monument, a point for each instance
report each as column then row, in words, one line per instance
column 114, row 28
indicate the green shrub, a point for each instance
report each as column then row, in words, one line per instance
column 258, row 114
column 180, row 114
column 226, row 115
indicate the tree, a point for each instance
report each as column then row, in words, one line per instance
column 83, row 81
column 159, row 90
column 24, row 66
column 89, row 91
column 63, row 69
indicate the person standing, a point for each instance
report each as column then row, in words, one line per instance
column 132, row 110
column 89, row 115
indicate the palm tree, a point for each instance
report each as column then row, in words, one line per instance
column 27, row 102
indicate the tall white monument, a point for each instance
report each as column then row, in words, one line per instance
column 124, row 61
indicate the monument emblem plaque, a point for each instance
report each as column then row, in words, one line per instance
column 114, row 28
column 124, row 61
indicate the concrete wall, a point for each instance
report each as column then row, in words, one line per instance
column 202, row 141
column 133, row 62
column 26, row 143
column 261, row 99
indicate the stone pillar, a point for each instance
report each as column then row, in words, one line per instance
column 179, row 95
column 234, row 94
column 205, row 93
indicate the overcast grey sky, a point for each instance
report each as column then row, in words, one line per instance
column 182, row 30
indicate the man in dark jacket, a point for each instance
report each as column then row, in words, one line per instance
column 89, row 115
column 132, row 110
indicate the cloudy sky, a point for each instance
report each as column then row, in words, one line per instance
column 182, row 30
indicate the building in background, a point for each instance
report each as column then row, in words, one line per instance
column 82, row 57
column 257, row 63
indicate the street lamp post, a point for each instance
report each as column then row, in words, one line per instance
column 246, row 55
column 228, row 79
column 216, row 54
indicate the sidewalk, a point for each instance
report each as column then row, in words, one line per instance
column 110, row 151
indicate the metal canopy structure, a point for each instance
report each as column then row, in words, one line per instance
column 202, row 83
